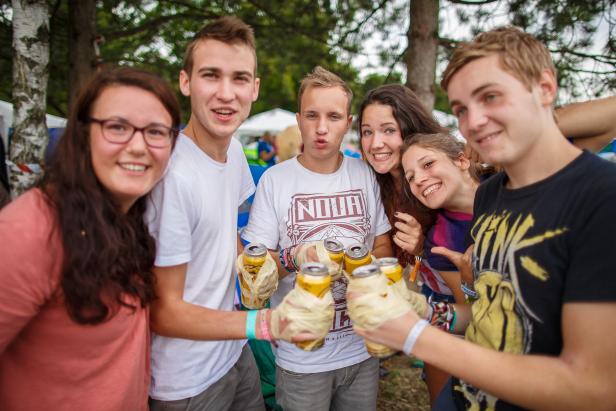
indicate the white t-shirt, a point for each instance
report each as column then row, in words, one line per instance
column 193, row 217
column 295, row 205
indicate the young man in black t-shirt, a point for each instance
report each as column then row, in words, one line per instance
column 544, row 259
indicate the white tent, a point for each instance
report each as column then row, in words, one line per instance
column 6, row 120
column 273, row 121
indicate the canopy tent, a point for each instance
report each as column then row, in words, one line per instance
column 274, row 121
column 6, row 120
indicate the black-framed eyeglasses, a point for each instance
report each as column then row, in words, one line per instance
column 118, row 131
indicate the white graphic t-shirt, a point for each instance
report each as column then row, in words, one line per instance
column 295, row 205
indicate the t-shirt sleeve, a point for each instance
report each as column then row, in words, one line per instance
column 28, row 259
column 170, row 220
column 592, row 267
column 263, row 223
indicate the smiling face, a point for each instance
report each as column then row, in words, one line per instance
column 434, row 179
column 130, row 170
column 497, row 114
column 381, row 138
column 222, row 87
column 323, row 122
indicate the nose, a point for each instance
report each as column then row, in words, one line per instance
column 476, row 118
column 137, row 144
column 225, row 90
column 419, row 177
column 377, row 141
column 322, row 125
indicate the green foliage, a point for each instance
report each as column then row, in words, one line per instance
column 292, row 36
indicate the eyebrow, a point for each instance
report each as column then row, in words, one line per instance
column 389, row 123
column 473, row 93
column 218, row 70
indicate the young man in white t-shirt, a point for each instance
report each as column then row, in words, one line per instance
column 199, row 358
column 316, row 195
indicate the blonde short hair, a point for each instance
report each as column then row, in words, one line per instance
column 519, row 53
column 321, row 77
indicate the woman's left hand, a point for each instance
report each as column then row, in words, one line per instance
column 408, row 235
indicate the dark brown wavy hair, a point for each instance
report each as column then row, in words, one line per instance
column 107, row 254
column 412, row 117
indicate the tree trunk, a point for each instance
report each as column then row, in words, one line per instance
column 82, row 56
column 422, row 51
column 30, row 74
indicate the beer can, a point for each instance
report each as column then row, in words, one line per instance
column 391, row 268
column 355, row 256
column 314, row 278
column 253, row 257
column 335, row 249
column 374, row 349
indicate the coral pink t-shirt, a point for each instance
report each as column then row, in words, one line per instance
column 48, row 361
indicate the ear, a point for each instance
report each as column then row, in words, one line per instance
column 298, row 118
column 548, row 87
column 349, row 121
column 255, row 93
column 462, row 162
column 184, row 83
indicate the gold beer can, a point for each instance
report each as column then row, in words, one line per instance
column 314, row 278
column 335, row 249
column 355, row 256
column 391, row 268
column 253, row 257
column 374, row 349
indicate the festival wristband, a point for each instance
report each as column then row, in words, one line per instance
column 453, row 322
column 251, row 322
column 411, row 339
column 470, row 293
column 264, row 327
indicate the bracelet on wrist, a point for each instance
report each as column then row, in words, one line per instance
column 443, row 316
column 251, row 323
column 413, row 335
column 264, row 327
column 469, row 292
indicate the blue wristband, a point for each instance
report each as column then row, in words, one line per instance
column 251, row 323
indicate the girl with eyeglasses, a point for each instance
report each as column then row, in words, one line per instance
column 77, row 257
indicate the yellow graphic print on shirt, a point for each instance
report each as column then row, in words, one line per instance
column 501, row 318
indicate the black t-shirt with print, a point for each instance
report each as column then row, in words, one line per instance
column 537, row 248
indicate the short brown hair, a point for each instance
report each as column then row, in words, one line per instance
column 519, row 53
column 323, row 78
column 229, row 30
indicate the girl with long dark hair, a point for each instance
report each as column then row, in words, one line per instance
column 76, row 255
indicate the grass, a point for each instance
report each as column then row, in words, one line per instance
column 402, row 389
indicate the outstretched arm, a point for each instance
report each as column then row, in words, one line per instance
column 590, row 124
column 579, row 378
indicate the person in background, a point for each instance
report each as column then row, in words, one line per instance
column 77, row 257
column 543, row 246
column 267, row 149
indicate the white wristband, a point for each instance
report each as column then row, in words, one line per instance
column 411, row 339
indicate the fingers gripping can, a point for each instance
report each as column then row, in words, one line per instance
column 335, row 249
column 391, row 268
column 314, row 278
column 374, row 349
column 355, row 256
